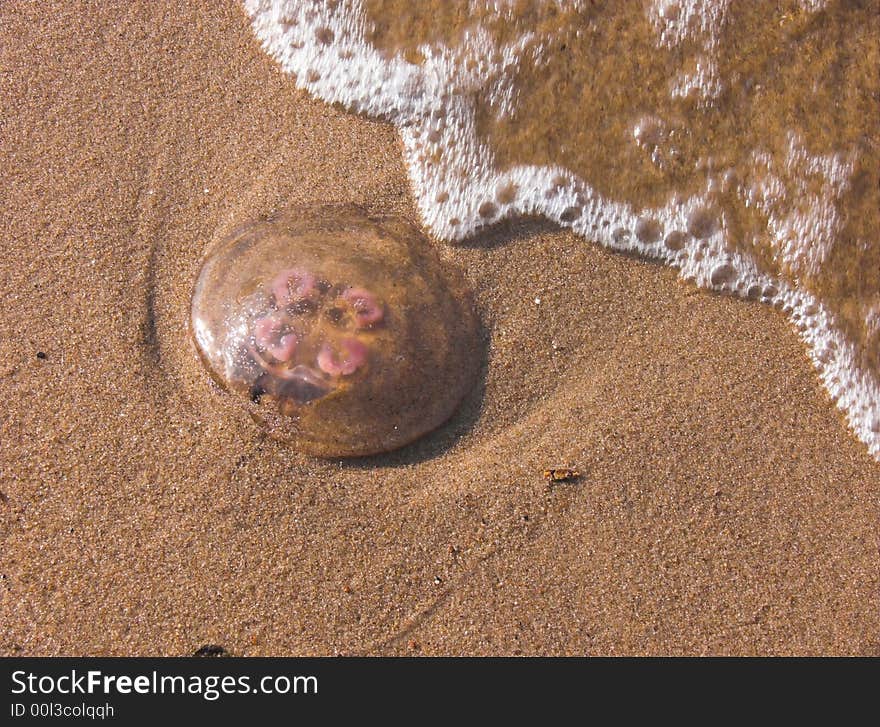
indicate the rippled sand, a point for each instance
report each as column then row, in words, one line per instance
column 724, row 507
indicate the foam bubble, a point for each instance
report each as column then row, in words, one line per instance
column 702, row 223
column 648, row 230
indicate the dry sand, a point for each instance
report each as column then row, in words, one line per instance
column 724, row 506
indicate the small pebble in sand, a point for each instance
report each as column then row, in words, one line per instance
column 209, row 650
column 561, row 474
column 344, row 335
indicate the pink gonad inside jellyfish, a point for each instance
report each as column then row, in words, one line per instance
column 292, row 286
column 271, row 335
column 344, row 360
column 367, row 310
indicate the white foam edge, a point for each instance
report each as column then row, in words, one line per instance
column 419, row 100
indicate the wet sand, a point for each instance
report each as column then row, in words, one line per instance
column 724, row 507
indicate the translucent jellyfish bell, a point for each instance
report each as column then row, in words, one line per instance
column 341, row 334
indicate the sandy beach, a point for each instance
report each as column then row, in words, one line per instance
column 724, row 507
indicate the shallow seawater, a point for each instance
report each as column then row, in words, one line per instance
column 736, row 141
column 341, row 334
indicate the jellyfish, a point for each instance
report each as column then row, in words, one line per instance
column 341, row 334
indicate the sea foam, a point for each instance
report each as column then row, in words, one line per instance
column 460, row 186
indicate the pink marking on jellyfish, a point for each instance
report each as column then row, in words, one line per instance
column 286, row 347
column 367, row 309
column 293, row 285
column 282, row 372
column 353, row 357
column 268, row 335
